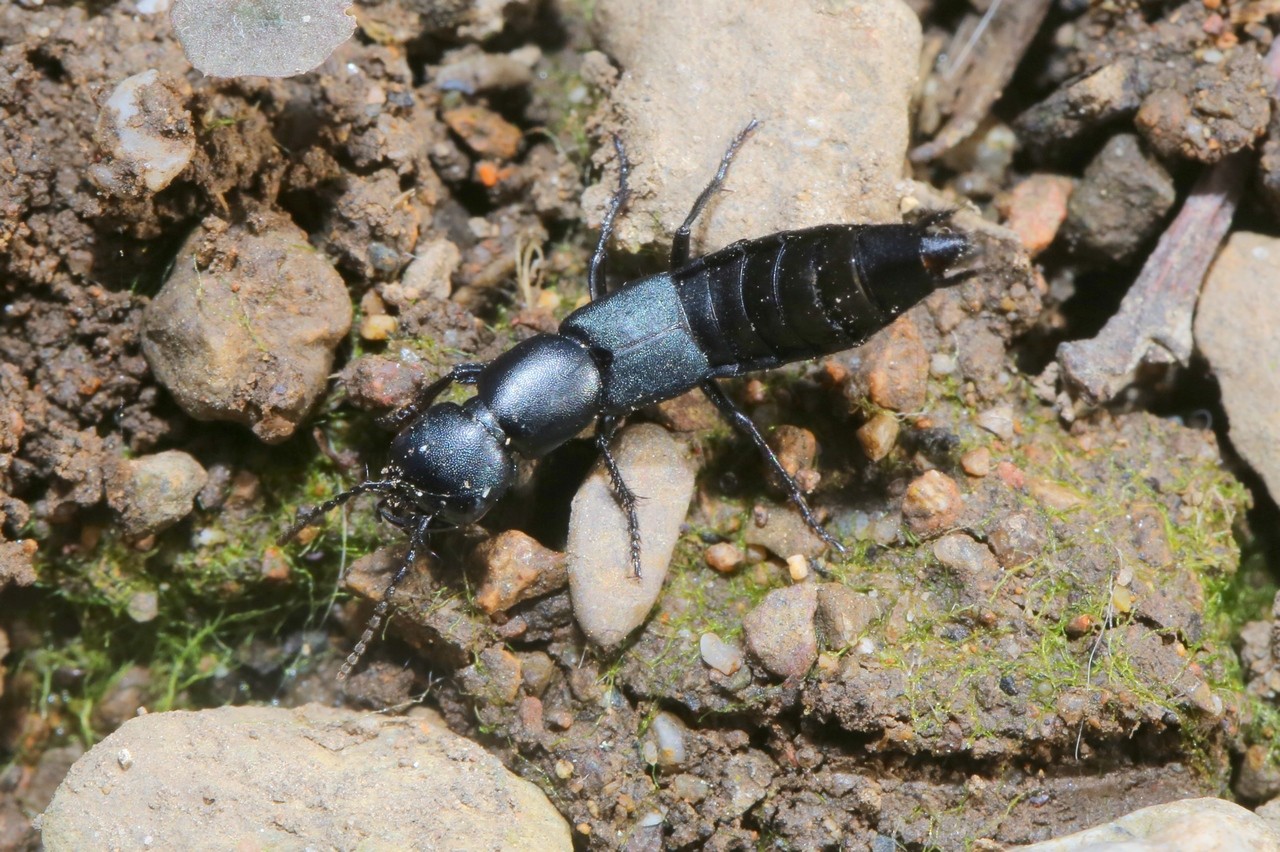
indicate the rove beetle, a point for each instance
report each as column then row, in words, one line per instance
column 754, row 305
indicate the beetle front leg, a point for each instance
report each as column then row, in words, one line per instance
column 626, row 497
column 740, row 421
column 463, row 374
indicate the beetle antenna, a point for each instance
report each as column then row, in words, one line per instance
column 306, row 517
column 417, row 541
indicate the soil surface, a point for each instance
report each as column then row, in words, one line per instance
column 1051, row 609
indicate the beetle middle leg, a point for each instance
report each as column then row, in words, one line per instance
column 605, row 430
column 680, row 242
column 744, row 424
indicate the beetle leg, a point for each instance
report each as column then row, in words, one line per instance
column 680, row 242
column 595, row 272
column 417, row 541
column 464, row 374
column 738, row 418
column 626, row 497
column 306, row 517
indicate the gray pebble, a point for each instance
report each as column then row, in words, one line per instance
column 608, row 601
column 838, row 117
column 843, row 614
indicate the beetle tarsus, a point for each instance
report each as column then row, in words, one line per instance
column 625, row 496
column 740, row 421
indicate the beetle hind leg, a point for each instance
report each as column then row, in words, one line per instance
column 740, row 421
column 626, row 497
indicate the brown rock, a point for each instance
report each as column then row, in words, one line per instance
column 782, row 531
column 878, row 435
column 689, row 412
column 154, row 492
column 515, row 568
column 796, row 448
column 843, row 614
column 977, row 462
column 485, row 132
column 17, row 562
column 1016, row 538
column 246, row 326
column 1036, row 208
column 723, row 556
column 893, row 367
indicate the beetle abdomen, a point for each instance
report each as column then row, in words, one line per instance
column 800, row 294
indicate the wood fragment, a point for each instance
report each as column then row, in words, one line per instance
column 1153, row 325
column 983, row 55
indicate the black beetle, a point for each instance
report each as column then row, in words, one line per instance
column 753, row 305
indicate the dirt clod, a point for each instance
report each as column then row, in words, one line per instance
column 246, row 326
column 154, row 492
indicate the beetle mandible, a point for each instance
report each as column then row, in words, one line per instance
column 753, row 305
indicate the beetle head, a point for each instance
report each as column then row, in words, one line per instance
column 449, row 464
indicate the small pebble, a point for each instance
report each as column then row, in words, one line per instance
column 671, row 733
column 1036, row 208
column 1079, row 626
column 796, row 448
column 977, row 462
column 125, row 758
column 782, row 531
column 1052, row 495
column 844, row 614
column 143, row 606
column 942, row 365
column 378, row 327
column 608, row 601
column 719, row 654
column 998, row 421
column 1121, row 599
column 723, row 557
column 797, row 567
column 484, row 131
column 564, row 769
column 932, row 503
column 1016, row 539
column 516, row 567
column 878, row 435
column 152, row 493
column 689, row 788
column 964, row 555
column 146, row 135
